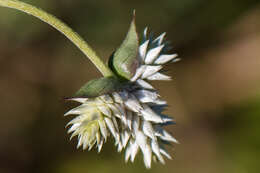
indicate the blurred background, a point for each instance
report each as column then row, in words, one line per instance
column 214, row 95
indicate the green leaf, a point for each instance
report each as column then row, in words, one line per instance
column 125, row 61
column 97, row 87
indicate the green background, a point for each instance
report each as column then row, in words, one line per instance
column 214, row 95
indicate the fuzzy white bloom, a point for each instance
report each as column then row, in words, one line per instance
column 132, row 115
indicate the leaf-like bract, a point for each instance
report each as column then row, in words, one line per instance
column 125, row 61
column 99, row 87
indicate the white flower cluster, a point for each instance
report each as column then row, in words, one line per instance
column 133, row 115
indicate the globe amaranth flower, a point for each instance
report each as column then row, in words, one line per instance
column 128, row 109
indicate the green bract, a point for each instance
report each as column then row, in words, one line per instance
column 99, row 87
column 125, row 61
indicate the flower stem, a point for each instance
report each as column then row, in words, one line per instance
column 63, row 28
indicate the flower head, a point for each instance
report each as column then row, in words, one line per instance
column 130, row 110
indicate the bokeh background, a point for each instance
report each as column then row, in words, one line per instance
column 214, row 95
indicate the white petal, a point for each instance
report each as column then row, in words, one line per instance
column 85, row 141
column 117, row 140
column 167, row 119
column 103, row 129
column 160, row 38
column 156, row 150
column 145, row 32
column 143, row 49
column 159, row 76
column 96, row 101
column 72, row 111
column 148, row 129
column 114, row 110
column 153, row 54
column 111, row 126
column 133, row 104
column 160, row 102
column 105, row 110
column 175, row 60
column 123, row 117
column 98, row 138
column 107, row 99
column 128, row 152
column 100, row 145
column 134, row 151
column 169, row 137
column 75, row 133
column 80, row 100
column 136, row 122
column 77, row 119
column 119, row 147
column 129, row 118
column 120, row 108
column 73, row 127
column 91, row 145
column 146, row 96
column 80, row 141
column 150, row 115
column 139, row 71
column 164, row 135
column 141, row 140
column 125, row 138
column 165, row 58
column 165, row 153
column 150, row 70
column 92, row 136
column 80, row 109
column 124, row 121
column 117, row 97
column 144, row 84
column 148, row 156
column 115, row 123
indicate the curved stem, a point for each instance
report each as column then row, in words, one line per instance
column 63, row 28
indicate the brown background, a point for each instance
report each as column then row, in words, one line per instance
column 214, row 97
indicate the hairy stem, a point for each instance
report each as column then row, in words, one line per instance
column 63, row 28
